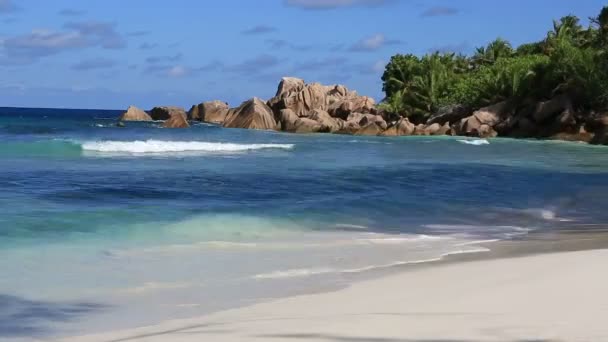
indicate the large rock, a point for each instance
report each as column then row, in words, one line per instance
column 349, row 127
column 287, row 120
column 549, row 109
column 367, row 118
column 437, row 129
column 352, row 104
column 177, row 120
column 449, row 114
column 210, row 111
column 322, row 117
column 306, row 125
column 288, row 85
column 599, row 125
column 488, row 117
column 135, row 114
column 401, row 127
column 166, row 112
column 302, row 99
column 251, row 114
column 370, row 129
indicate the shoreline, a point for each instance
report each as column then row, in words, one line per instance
column 538, row 248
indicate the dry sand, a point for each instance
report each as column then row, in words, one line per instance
column 548, row 297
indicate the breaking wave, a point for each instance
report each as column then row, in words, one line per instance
column 476, row 142
column 159, row 146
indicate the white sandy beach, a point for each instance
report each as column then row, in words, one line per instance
column 550, row 297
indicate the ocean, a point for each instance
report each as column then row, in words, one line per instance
column 105, row 227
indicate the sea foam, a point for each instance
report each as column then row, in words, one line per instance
column 476, row 142
column 159, row 146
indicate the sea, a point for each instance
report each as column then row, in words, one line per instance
column 105, row 227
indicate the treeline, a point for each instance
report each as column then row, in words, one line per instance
column 571, row 60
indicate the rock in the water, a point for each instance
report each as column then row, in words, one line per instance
column 367, row 118
column 287, row 120
column 401, row 127
column 306, row 125
column 251, row 114
column 349, row 127
column 548, row 109
column 194, row 113
column 166, row 112
column 210, row 111
column 177, row 120
column 489, row 116
column 370, row 129
column 135, row 114
column 449, row 114
column 486, row 131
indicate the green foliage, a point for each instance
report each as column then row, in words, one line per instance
column 571, row 60
column 488, row 55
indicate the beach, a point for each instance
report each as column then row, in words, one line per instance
column 538, row 297
column 107, row 229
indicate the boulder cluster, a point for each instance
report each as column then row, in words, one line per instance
column 299, row 107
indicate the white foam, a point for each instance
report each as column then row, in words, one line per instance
column 155, row 286
column 476, row 142
column 159, row 146
column 307, row 272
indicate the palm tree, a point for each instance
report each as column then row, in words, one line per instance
column 499, row 48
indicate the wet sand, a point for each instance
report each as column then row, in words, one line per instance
column 550, row 287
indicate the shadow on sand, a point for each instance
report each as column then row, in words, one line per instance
column 21, row 317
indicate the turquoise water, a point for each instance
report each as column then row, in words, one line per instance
column 104, row 227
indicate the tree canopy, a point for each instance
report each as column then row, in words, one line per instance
column 570, row 60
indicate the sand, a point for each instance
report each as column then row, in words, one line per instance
column 548, row 297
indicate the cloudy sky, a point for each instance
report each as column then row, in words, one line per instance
column 112, row 53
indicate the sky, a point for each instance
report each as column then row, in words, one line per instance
column 110, row 54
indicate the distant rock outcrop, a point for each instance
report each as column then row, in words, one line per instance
column 166, row 112
column 177, row 120
column 211, row 111
column 135, row 114
column 302, row 99
column 251, row 114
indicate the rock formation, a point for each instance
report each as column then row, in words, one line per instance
column 177, row 120
column 251, row 114
column 166, row 112
column 135, row 114
column 211, row 111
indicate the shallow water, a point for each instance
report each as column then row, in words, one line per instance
column 104, row 227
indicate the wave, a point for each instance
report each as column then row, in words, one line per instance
column 476, row 142
column 307, row 272
column 159, row 146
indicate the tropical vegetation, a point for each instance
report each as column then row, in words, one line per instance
column 571, row 60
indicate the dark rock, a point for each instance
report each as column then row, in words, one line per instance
column 549, row 109
column 450, row 114
column 164, row 113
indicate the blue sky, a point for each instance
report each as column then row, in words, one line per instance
column 113, row 53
